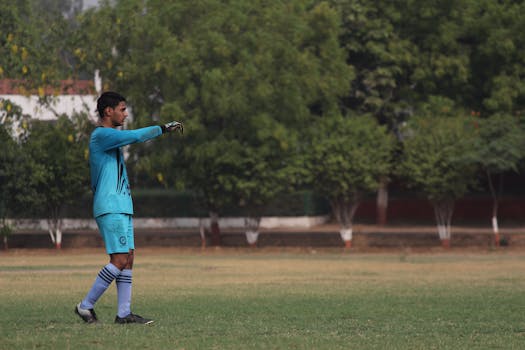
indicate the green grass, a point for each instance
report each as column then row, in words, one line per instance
column 255, row 300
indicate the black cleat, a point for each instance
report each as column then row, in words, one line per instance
column 132, row 318
column 87, row 315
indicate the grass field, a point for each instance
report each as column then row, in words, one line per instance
column 242, row 299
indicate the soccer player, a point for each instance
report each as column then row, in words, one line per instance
column 112, row 204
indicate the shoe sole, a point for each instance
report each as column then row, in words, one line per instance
column 144, row 323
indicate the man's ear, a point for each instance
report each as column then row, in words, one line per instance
column 107, row 111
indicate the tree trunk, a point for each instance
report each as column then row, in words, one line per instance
column 495, row 229
column 5, row 230
column 251, row 225
column 55, row 231
column 51, row 230
column 214, row 228
column 202, row 231
column 495, row 205
column 346, row 236
column 59, row 234
column 344, row 211
column 443, row 210
column 382, row 202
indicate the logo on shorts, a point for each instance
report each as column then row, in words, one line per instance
column 122, row 240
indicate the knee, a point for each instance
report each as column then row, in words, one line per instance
column 119, row 260
column 129, row 264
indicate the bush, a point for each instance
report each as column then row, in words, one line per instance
column 168, row 203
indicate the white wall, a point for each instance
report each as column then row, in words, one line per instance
column 177, row 223
column 63, row 104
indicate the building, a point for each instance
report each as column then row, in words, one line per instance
column 72, row 96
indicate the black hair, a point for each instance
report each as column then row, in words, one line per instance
column 108, row 99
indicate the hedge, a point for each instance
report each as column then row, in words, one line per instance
column 169, row 203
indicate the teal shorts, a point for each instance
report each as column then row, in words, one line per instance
column 117, row 232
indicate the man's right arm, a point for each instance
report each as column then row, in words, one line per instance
column 109, row 138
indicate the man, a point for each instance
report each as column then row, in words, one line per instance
column 112, row 204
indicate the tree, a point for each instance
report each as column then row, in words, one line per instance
column 34, row 46
column 8, row 192
column 60, row 150
column 501, row 148
column 17, row 173
column 263, row 173
column 497, row 68
column 19, row 177
column 439, row 159
column 383, row 61
column 14, row 38
column 349, row 156
column 241, row 75
column 471, row 53
column 498, row 89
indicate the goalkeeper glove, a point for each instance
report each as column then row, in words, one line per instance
column 172, row 126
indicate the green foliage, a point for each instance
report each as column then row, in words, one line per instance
column 436, row 30
column 241, row 76
column 248, row 78
column 6, row 230
column 34, row 44
column 7, row 160
column 381, row 58
column 467, row 50
column 502, row 143
column 19, row 174
column 349, row 156
column 440, row 155
column 501, row 148
column 497, row 68
column 167, row 203
column 14, row 38
column 59, row 152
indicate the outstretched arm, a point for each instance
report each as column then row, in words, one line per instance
column 109, row 138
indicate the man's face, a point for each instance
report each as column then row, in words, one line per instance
column 118, row 114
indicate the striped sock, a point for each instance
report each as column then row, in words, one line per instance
column 124, row 292
column 106, row 275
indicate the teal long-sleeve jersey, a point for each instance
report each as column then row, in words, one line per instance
column 109, row 179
